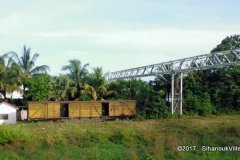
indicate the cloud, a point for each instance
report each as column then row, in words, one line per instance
column 141, row 38
column 121, row 49
column 116, row 35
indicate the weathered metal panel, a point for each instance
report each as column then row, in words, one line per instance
column 85, row 109
column 115, row 108
column 96, row 108
column 129, row 108
column 112, row 109
column 37, row 110
column 74, row 108
column 53, row 110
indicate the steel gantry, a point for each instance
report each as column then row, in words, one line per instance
column 176, row 68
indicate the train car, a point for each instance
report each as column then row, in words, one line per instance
column 43, row 110
column 81, row 109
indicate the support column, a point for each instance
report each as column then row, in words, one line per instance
column 172, row 106
column 181, row 92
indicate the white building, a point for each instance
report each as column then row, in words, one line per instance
column 15, row 95
column 8, row 113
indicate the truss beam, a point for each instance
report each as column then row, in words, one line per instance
column 200, row 62
column 176, row 69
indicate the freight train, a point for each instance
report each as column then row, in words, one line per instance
column 81, row 109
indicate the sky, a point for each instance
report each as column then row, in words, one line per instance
column 115, row 34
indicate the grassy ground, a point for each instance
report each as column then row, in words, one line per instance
column 121, row 140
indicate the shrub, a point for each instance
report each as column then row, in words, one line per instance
column 9, row 134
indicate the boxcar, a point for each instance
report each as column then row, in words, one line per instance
column 81, row 109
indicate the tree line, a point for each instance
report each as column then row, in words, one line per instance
column 19, row 73
column 206, row 92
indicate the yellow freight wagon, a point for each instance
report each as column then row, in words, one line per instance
column 121, row 108
column 84, row 109
column 81, row 109
column 43, row 110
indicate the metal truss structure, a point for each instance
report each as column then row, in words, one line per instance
column 200, row 62
column 178, row 67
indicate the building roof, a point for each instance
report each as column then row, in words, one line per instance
column 9, row 104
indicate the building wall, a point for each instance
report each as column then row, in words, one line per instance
column 23, row 114
column 12, row 116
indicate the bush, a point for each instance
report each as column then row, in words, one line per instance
column 198, row 104
column 155, row 106
column 9, row 134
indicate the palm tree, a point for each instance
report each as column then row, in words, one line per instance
column 77, row 74
column 2, row 76
column 27, row 65
column 60, row 87
column 9, row 77
column 2, row 63
column 98, row 82
column 89, row 90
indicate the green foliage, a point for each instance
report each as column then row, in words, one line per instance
column 60, row 87
column 206, row 107
column 208, row 92
column 214, row 91
column 88, row 91
column 78, row 75
column 26, row 64
column 225, row 89
column 156, row 106
column 228, row 43
column 120, row 140
column 85, row 97
column 39, row 87
column 150, row 103
column 9, row 134
column 9, row 76
column 127, row 89
column 97, row 79
column 197, row 100
column 98, row 82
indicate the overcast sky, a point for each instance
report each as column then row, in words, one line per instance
column 115, row 34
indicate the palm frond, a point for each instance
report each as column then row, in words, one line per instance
column 14, row 57
column 40, row 69
column 33, row 60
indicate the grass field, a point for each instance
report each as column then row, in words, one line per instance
column 121, row 140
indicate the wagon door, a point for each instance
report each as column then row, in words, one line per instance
column 85, row 109
column 105, row 109
column 64, row 110
column 53, row 110
column 74, row 110
column 112, row 109
column 115, row 109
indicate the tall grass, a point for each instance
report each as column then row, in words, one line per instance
column 150, row 139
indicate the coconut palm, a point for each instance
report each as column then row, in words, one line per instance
column 2, row 63
column 60, row 87
column 77, row 74
column 2, row 75
column 26, row 63
column 9, row 77
column 98, row 82
column 89, row 90
column 98, row 78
